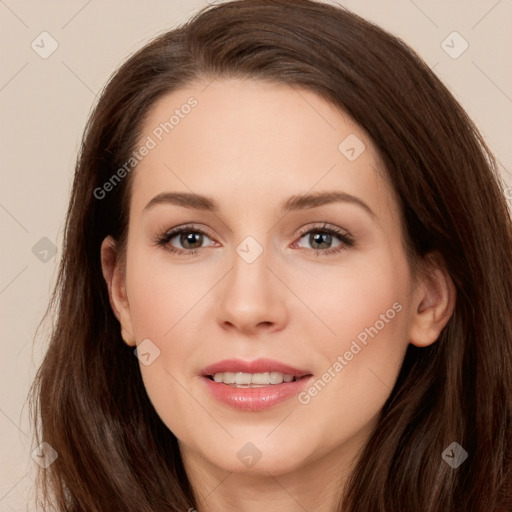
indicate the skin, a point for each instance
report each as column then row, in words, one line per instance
column 250, row 145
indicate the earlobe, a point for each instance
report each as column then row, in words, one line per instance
column 434, row 302
column 115, row 279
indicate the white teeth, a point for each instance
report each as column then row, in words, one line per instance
column 276, row 378
column 243, row 378
column 227, row 377
column 257, row 379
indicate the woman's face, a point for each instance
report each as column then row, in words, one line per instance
column 298, row 273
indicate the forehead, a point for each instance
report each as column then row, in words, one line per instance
column 254, row 141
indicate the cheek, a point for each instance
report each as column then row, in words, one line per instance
column 164, row 295
column 167, row 302
column 365, row 308
column 352, row 296
column 164, row 302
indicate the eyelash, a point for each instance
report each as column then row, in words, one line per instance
column 346, row 239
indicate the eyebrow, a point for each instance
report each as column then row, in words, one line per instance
column 293, row 203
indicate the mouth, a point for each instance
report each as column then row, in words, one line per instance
column 253, row 380
column 254, row 385
column 260, row 372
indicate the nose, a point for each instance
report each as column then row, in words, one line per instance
column 252, row 299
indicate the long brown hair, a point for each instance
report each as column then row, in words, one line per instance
column 114, row 452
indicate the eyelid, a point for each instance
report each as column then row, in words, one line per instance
column 324, row 226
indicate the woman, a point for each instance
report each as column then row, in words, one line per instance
column 290, row 221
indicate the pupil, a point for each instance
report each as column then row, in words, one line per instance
column 322, row 238
column 191, row 238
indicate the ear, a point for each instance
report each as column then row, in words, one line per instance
column 434, row 302
column 115, row 278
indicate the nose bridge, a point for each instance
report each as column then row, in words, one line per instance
column 250, row 273
column 251, row 296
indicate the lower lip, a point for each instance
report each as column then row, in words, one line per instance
column 255, row 399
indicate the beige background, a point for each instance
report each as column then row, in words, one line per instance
column 44, row 106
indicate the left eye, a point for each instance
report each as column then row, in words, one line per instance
column 320, row 239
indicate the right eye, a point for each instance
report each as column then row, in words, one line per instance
column 189, row 237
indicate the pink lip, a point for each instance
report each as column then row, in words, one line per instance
column 254, row 399
column 256, row 366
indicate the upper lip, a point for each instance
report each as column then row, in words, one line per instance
column 256, row 366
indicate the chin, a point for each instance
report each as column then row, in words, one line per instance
column 258, row 454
